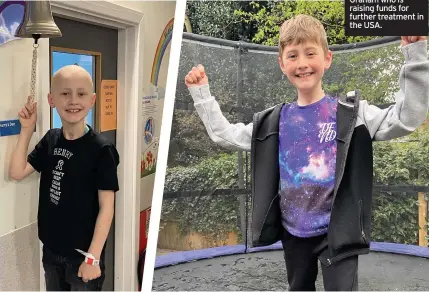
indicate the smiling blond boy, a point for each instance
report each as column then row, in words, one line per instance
column 312, row 159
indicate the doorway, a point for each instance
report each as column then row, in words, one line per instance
column 95, row 48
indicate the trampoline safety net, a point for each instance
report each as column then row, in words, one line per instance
column 207, row 189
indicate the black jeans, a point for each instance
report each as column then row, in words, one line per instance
column 301, row 256
column 61, row 273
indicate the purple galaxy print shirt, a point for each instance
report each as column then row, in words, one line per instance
column 307, row 157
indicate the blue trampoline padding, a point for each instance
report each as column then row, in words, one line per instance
column 275, row 246
column 180, row 257
column 398, row 248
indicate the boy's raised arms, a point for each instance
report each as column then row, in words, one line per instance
column 231, row 136
column 19, row 167
column 412, row 100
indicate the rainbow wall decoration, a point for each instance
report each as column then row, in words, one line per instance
column 163, row 43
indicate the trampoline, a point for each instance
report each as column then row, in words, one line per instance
column 202, row 243
column 265, row 271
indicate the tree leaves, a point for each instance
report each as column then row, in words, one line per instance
column 269, row 16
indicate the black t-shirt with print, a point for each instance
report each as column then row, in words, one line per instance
column 72, row 172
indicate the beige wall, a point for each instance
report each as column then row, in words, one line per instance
column 18, row 200
column 154, row 24
column 19, row 246
column 156, row 15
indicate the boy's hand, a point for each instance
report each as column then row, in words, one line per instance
column 197, row 76
column 88, row 272
column 28, row 115
column 406, row 40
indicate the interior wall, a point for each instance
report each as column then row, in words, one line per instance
column 154, row 24
column 19, row 245
column 156, row 15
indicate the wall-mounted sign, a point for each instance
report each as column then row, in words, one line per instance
column 10, row 128
column 151, row 120
column 108, row 105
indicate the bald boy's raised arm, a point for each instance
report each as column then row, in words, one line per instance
column 20, row 167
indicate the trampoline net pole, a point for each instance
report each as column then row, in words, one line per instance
column 240, row 161
column 423, row 228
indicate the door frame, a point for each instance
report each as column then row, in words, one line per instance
column 129, row 76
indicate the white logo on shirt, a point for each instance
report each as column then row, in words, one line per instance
column 59, row 165
column 327, row 132
column 58, row 174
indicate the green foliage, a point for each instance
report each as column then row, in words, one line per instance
column 403, row 162
column 217, row 19
column 211, row 216
column 395, row 215
column 269, row 16
column 259, row 21
column 218, row 171
column 395, row 218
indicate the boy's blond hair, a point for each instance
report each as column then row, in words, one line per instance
column 302, row 28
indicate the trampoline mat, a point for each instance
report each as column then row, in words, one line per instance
column 266, row 271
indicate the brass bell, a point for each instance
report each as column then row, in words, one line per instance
column 38, row 21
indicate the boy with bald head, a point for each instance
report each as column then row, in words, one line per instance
column 77, row 184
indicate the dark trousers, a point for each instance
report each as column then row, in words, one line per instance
column 301, row 256
column 61, row 273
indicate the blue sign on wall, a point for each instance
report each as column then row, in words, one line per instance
column 11, row 127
